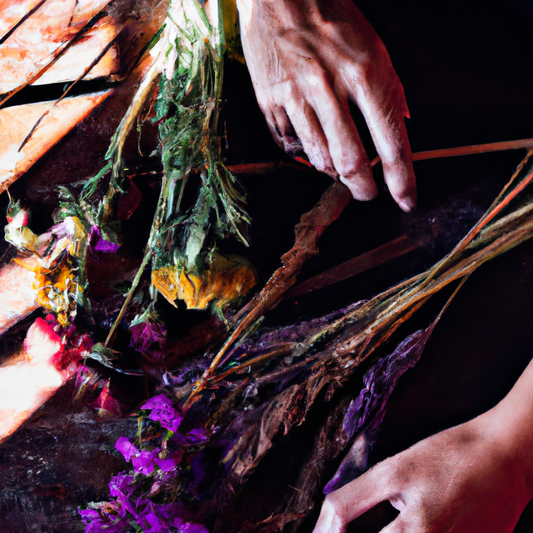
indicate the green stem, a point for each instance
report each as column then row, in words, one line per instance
column 131, row 292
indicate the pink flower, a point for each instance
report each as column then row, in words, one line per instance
column 163, row 412
column 101, row 244
column 126, row 448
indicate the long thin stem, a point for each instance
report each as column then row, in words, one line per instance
column 125, row 305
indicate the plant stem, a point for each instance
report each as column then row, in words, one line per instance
column 125, row 305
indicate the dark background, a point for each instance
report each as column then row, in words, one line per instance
column 468, row 77
column 466, row 71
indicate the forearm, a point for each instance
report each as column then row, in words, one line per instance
column 512, row 420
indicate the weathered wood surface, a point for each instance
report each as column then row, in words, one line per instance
column 18, row 121
column 17, row 295
column 31, row 33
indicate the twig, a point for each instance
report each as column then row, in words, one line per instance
column 311, row 227
column 272, row 166
column 308, row 231
column 468, row 150
column 131, row 292
column 386, row 252
column 267, row 168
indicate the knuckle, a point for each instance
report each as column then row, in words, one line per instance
column 365, row 71
column 350, row 167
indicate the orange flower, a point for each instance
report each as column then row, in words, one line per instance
column 57, row 290
column 225, row 279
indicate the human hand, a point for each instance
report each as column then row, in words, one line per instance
column 307, row 58
column 473, row 478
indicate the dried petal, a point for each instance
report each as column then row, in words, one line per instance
column 126, row 448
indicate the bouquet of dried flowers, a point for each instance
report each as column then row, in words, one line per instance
column 259, row 383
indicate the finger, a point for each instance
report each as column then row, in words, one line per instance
column 328, row 521
column 273, row 127
column 282, row 131
column 311, row 135
column 344, row 144
column 290, row 142
column 283, row 122
column 357, row 497
column 384, row 115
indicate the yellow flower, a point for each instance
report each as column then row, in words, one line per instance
column 55, row 279
column 225, row 278
column 57, row 291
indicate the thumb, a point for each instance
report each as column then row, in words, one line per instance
column 360, row 495
column 328, row 521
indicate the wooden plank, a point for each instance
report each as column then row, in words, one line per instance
column 31, row 45
column 31, row 377
column 18, row 121
column 17, row 295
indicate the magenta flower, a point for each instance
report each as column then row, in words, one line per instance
column 98, row 522
column 165, row 465
column 121, row 488
column 145, row 333
column 144, row 462
column 163, row 412
column 101, row 244
column 156, row 526
column 126, row 448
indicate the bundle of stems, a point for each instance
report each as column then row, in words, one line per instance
column 285, row 371
column 352, row 338
column 187, row 59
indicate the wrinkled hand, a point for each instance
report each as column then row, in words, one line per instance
column 469, row 479
column 307, row 58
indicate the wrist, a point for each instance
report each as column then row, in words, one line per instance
column 509, row 429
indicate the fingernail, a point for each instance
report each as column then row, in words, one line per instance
column 407, row 204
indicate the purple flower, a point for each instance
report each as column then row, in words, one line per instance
column 120, row 485
column 96, row 523
column 145, row 333
column 144, row 462
column 92, row 520
column 165, row 465
column 156, row 526
column 126, row 448
column 163, row 412
column 196, row 435
column 101, row 244
column 121, row 488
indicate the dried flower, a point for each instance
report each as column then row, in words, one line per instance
column 146, row 330
column 163, row 412
column 99, row 244
column 225, row 279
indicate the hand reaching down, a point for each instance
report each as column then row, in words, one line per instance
column 307, row 59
